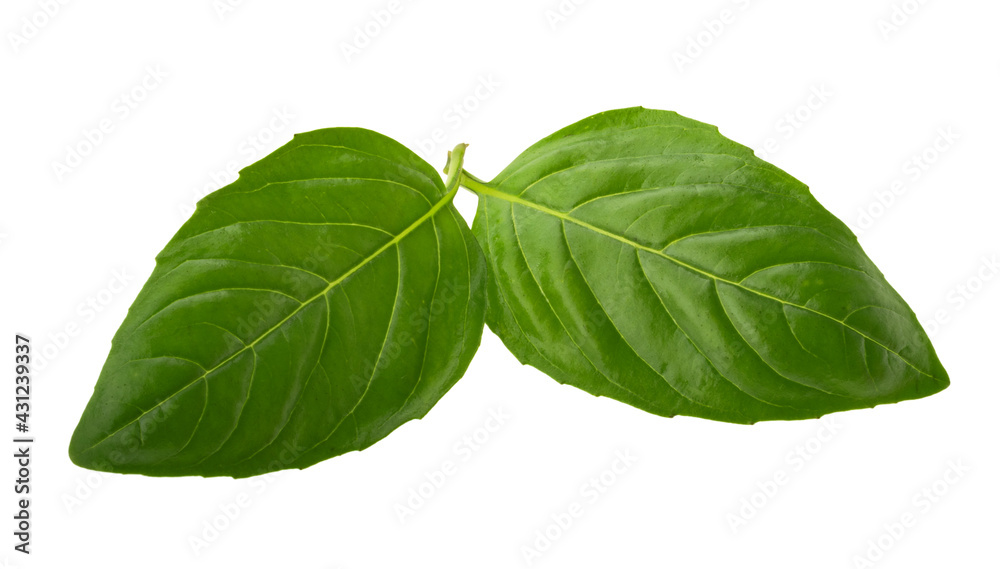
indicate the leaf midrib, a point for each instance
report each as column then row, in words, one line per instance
column 484, row 189
column 445, row 200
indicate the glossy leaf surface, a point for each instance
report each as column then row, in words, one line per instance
column 642, row 256
column 326, row 297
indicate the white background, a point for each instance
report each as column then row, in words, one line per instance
column 887, row 95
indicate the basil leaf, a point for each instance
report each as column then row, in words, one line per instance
column 329, row 295
column 642, row 256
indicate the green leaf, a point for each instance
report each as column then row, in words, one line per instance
column 642, row 256
column 329, row 295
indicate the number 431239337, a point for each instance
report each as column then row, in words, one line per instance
column 22, row 391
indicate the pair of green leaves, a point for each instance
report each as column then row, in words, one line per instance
column 333, row 293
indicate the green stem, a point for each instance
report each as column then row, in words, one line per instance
column 454, row 169
column 471, row 182
column 479, row 187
